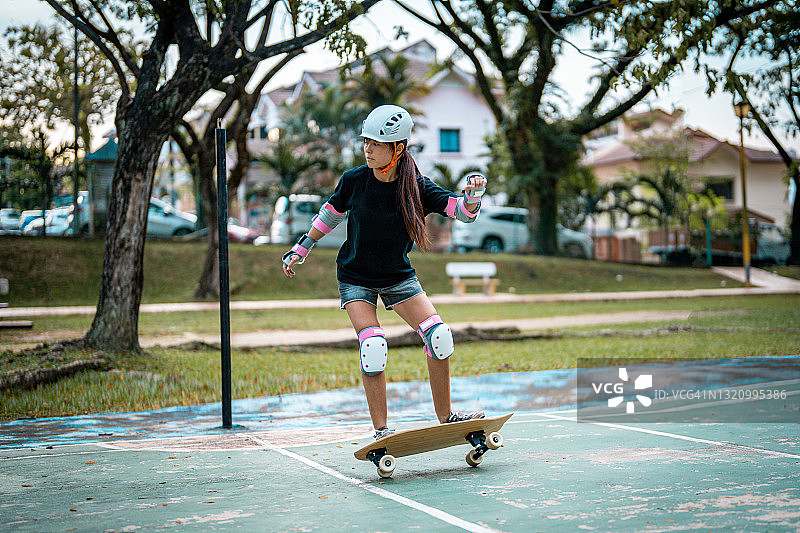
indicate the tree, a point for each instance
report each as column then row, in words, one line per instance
column 324, row 128
column 289, row 159
column 327, row 126
column 37, row 84
column 772, row 91
column 36, row 154
column 447, row 179
column 197, row 141
column 210, row 38
column 384, row 79
column 637, row 45
column 663, row 191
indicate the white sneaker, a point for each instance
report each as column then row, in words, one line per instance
column 382, row 432
column 460, row 416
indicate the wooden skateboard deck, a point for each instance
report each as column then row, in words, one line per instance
column 481, row 434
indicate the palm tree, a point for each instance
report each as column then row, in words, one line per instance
column 387, row 81
column 449, row 180
column 329, row 125
column 290, row 162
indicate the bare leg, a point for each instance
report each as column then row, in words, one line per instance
column 365, row 315
column 414, row 311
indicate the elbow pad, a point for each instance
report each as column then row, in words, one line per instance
column 457, row 210
column 327, row 218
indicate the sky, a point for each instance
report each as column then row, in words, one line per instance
column 686, row 90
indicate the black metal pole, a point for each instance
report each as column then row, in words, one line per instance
column 76, row 218
column 224, row 288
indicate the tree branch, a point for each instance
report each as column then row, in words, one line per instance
column 89, row 31
column 762, row 124
column 112, row 36
column 266, row 11
column 267, row 14
column 586, row 124
column 298, row 43
column 482, row 80
column 494, row 49
column 606, row 82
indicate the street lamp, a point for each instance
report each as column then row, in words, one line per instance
column 742, row 110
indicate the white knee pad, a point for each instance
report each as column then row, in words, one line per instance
column 373, row 350
column 438, row 338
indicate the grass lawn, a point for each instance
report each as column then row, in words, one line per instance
column 787, row 271
column 57, row 271
column 724, row 327
column 207, row 322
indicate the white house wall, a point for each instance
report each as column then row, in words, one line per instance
column 766, row 191
column 451, row 105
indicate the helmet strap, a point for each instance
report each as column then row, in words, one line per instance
column 393, row 162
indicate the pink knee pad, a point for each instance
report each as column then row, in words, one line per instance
column 437, row 336
column 373, row 350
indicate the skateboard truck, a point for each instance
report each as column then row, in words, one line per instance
column 385, row 462
column 482, row 444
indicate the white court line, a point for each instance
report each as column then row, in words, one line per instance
column 48, row 455
column 436, row 513
column 681, row 437
column 695, row 406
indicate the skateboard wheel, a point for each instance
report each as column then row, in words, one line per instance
column 474, row 458
column 494, row 441
column 386, row 466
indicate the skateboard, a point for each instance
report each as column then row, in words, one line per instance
column 482, row 434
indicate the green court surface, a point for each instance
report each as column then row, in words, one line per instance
column 553, row 474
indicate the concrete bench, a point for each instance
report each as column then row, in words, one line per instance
column 464, row 274
column 8, row 324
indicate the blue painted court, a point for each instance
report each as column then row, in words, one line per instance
column 291, row 468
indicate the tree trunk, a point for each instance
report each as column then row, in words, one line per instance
column 545, row 236
column 116, row 323
column 541, row 153
column 208, row 286
column 794, row 258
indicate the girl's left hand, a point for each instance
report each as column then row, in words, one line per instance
column 476, row 185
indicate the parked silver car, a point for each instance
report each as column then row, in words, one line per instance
column 505, row 229
column 165, row 221
column 293, row 216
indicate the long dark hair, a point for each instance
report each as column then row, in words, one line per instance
column 409, row 199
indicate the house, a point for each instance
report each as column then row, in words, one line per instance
column 712, row 161
column 450, row 126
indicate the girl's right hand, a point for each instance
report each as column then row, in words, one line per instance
column 289, row 269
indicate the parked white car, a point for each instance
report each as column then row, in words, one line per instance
column 9, row 220
column 293, row 216
column 58, row 223
column 27, row 216
column 505, row 229
column 165, row 221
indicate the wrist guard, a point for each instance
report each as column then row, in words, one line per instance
column 473, row 196
column 301, row 248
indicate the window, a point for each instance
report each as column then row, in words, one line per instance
column 510, row 217
column 722, row 188
column 449, row 140
column 307, row 207
column 263, row 132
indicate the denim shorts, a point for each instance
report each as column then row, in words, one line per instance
column 390, row 296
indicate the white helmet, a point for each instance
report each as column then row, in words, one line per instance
column 387, row 123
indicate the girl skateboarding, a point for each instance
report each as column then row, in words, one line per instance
column 386, row 201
